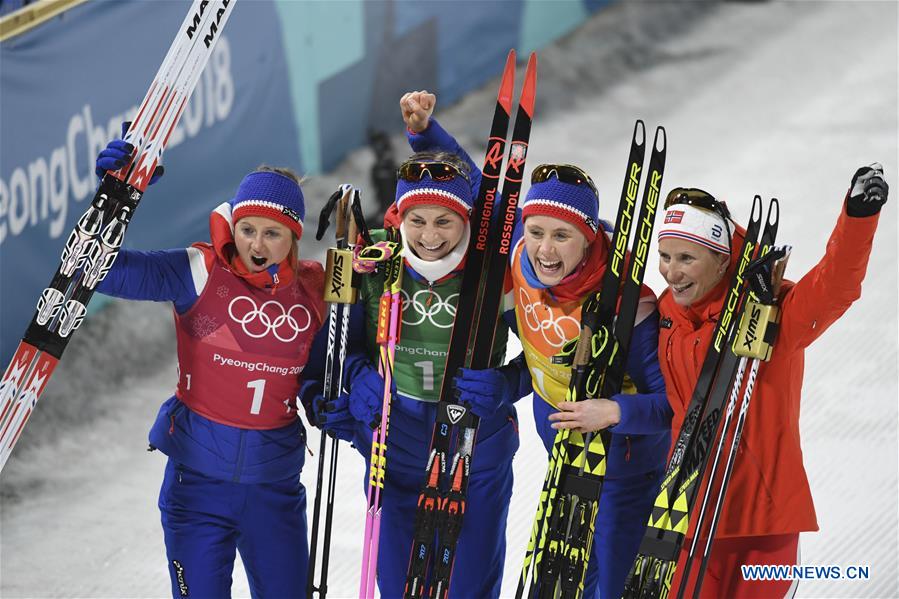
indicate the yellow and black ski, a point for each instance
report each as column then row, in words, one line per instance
column 562, row 534
column 656, row 562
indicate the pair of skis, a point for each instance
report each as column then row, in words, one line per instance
column 340, row 292
column 441, row 504
column 561, row 538
column 746, row 328
column 93, row 245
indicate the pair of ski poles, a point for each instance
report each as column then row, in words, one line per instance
column 343, row 263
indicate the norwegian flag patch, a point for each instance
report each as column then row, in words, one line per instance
column 674, row 216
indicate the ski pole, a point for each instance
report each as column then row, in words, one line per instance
column 340, row 292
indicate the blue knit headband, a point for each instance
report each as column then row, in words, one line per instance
column 270, row 195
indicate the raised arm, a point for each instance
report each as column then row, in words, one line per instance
column 425, row 133
column 819, row 298
column 176, row 276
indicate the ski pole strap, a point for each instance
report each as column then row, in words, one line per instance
column 359, row 219
column 366, row 259
column 760, row 321
column 762, row 273
column 324, row 217
column 340, row 286
column 603, row 351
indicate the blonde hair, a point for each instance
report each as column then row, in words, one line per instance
column 281, row 170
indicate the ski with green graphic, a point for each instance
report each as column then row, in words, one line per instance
column 561, row 539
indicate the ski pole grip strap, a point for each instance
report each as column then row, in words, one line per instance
column 368, row 258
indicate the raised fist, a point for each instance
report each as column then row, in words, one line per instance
column 417, row 108
column 868, row 191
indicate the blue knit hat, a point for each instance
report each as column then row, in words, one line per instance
column 271, row 195
column 575, row 204
column 454, row 194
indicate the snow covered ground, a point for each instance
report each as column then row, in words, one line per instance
column 782, row 99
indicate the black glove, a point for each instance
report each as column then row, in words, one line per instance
column 868, row 191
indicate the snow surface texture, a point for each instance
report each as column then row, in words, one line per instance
column 782, row 99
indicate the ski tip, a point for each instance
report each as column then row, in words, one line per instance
column 661, row 141
column 757, row 208
column 639, row 137
column 773, row 212
column 507, row 85
column 529, row 91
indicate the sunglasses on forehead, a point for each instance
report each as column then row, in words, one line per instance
column 697, row 198
column 566, row 173
column 437, row 170
column 704, row 200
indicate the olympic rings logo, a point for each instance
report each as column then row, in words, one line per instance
column 440, row 312
column 270, row 317
column 550, row 327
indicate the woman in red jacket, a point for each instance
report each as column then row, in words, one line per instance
column 768, row 500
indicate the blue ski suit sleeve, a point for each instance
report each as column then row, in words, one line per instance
column 314, row 372
column 436, row 138
column 509, row 317
column 647, row 411
column 158, row 276
column 518, row 377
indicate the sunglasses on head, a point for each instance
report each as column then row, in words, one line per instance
column 566, row 173
column 701, row 199
column 697, row 198
column 414, row 170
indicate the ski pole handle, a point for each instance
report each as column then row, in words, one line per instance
column 342, row 207
column 339, row 261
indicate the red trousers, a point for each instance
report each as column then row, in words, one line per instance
column 724, row 577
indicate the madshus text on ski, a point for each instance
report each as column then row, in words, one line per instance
column 665, row 414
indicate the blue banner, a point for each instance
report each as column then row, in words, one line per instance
column 68, row 85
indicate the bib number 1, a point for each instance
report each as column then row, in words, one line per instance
column 427, row 374
column 258, row 387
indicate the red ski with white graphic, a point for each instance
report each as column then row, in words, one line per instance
column 93, row 245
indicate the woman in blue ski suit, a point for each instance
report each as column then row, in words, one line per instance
column 558, row 260
column 433, row 201
column 246, row 310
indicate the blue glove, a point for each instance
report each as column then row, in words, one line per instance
column 484, row 391
column 117, row 153
column 365, row 392
column 333, row 417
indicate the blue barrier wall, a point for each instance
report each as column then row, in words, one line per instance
column 290, row 83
